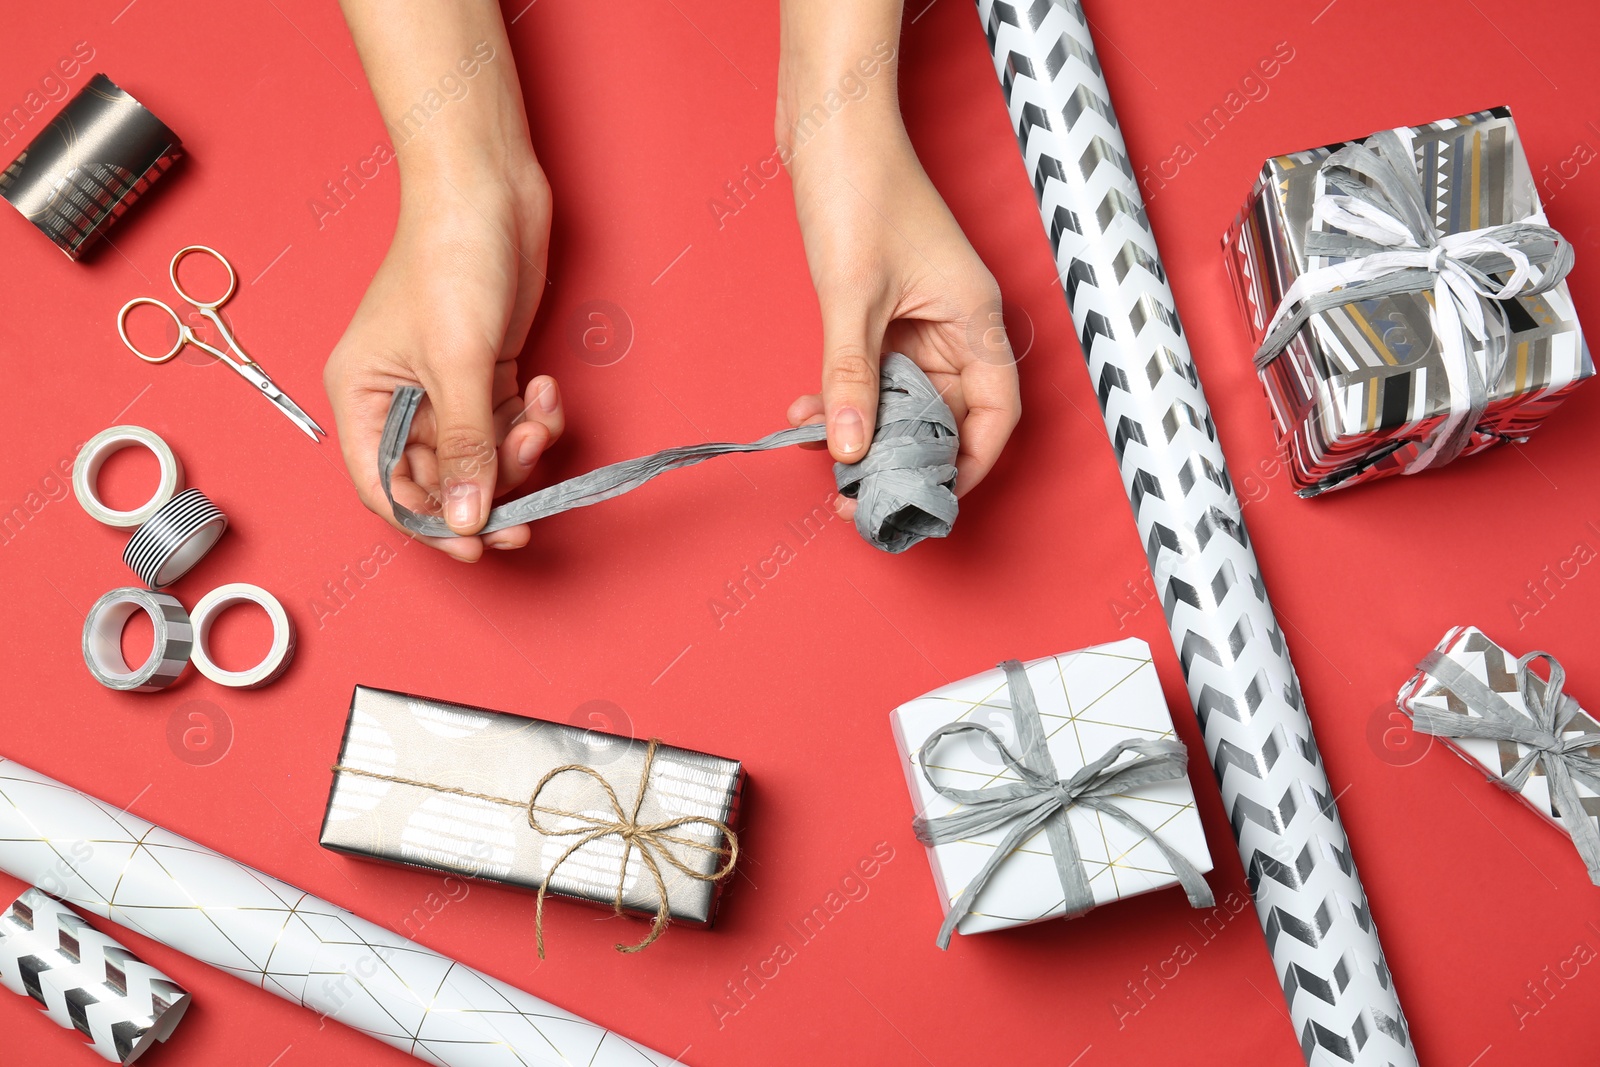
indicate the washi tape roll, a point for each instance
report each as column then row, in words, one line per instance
column 283, row 637
column 174, row 539
column 86, row 472
column 171, row 642
column 89, row 165
column 85, row 981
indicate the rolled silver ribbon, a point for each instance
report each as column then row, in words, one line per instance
column 1387, row 244
column 904, row 486
column 1307, row 892
column 1042, row 798
column 1563, row 757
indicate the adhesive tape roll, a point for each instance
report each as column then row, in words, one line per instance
column 169, row 648
column 174, row 539
column 86, row 472
column 283, row 637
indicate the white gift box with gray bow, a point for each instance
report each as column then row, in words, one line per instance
column 1088, row 702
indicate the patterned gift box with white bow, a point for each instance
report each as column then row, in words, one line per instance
column 1406, row 297
column 1089, row 704
column 1522, row 731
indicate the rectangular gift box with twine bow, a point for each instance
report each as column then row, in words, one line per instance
column 1045, row 789
column 1406, row 295
column 1522, row 731
column 630, row 824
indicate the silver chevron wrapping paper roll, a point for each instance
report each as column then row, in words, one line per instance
column 304, row 949
column 1324, row 947
column 85, row 981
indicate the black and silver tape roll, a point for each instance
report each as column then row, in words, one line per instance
column 174, row 539
column 89, row 165
column 171, row 642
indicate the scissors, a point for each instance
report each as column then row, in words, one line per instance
column 247, row 368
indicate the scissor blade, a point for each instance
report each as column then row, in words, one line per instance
column 281, row 401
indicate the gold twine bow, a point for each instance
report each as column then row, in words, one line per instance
column 649, row 838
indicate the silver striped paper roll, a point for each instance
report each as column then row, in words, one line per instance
column 103, row 860
column 1319, row 929
column 85, row 981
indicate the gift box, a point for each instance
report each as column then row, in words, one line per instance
column 1521, row 730
column 1367, row 386
column 534, row 804
column 1085, row 704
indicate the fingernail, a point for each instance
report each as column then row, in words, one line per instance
column 503, row 546
column 849, row 433
column 461, row 505
column 548, row 398
column 528, row 452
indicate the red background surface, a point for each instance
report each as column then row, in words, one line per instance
column 640, row 117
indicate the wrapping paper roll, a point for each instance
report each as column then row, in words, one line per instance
column 85, row 981
column 305, row 950
column 1320, row 932
column 99, row 155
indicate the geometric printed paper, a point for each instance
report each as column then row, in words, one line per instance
column 1492, row 665
column 1088, row 701
column 107, row 861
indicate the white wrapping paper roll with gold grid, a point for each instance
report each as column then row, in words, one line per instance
column 307, row 951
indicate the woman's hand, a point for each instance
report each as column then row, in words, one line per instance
column 450, row 307
column 449, row 310
column 892, row 269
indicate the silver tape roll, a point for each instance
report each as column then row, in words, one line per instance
column 86, row 472
column 173, row 638
column 283, row 636
column 174, row 539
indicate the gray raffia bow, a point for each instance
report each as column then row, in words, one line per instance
column 1043, row 798
column 1389, row 246
column 1565, row 759
column 904, row 487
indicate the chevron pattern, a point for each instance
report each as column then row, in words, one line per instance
column 84, row 980
column 1324, row 947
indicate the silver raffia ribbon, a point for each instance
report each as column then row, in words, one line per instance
column 1389, row 246
column 904, row 486
column 1043, row 798
column 1564, row 759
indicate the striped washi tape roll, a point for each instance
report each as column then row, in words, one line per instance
column 171, row 642
column 278, row 656
column 86, row 473
column 174, row 539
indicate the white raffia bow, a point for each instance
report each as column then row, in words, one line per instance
column 1389, row 245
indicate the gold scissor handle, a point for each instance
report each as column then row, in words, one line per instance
column 204, row 305
column 183, row 338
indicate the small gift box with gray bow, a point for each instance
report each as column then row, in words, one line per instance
column 1406, row 297
column 1045, row 789
column 634, row 825
column 1523, row 731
